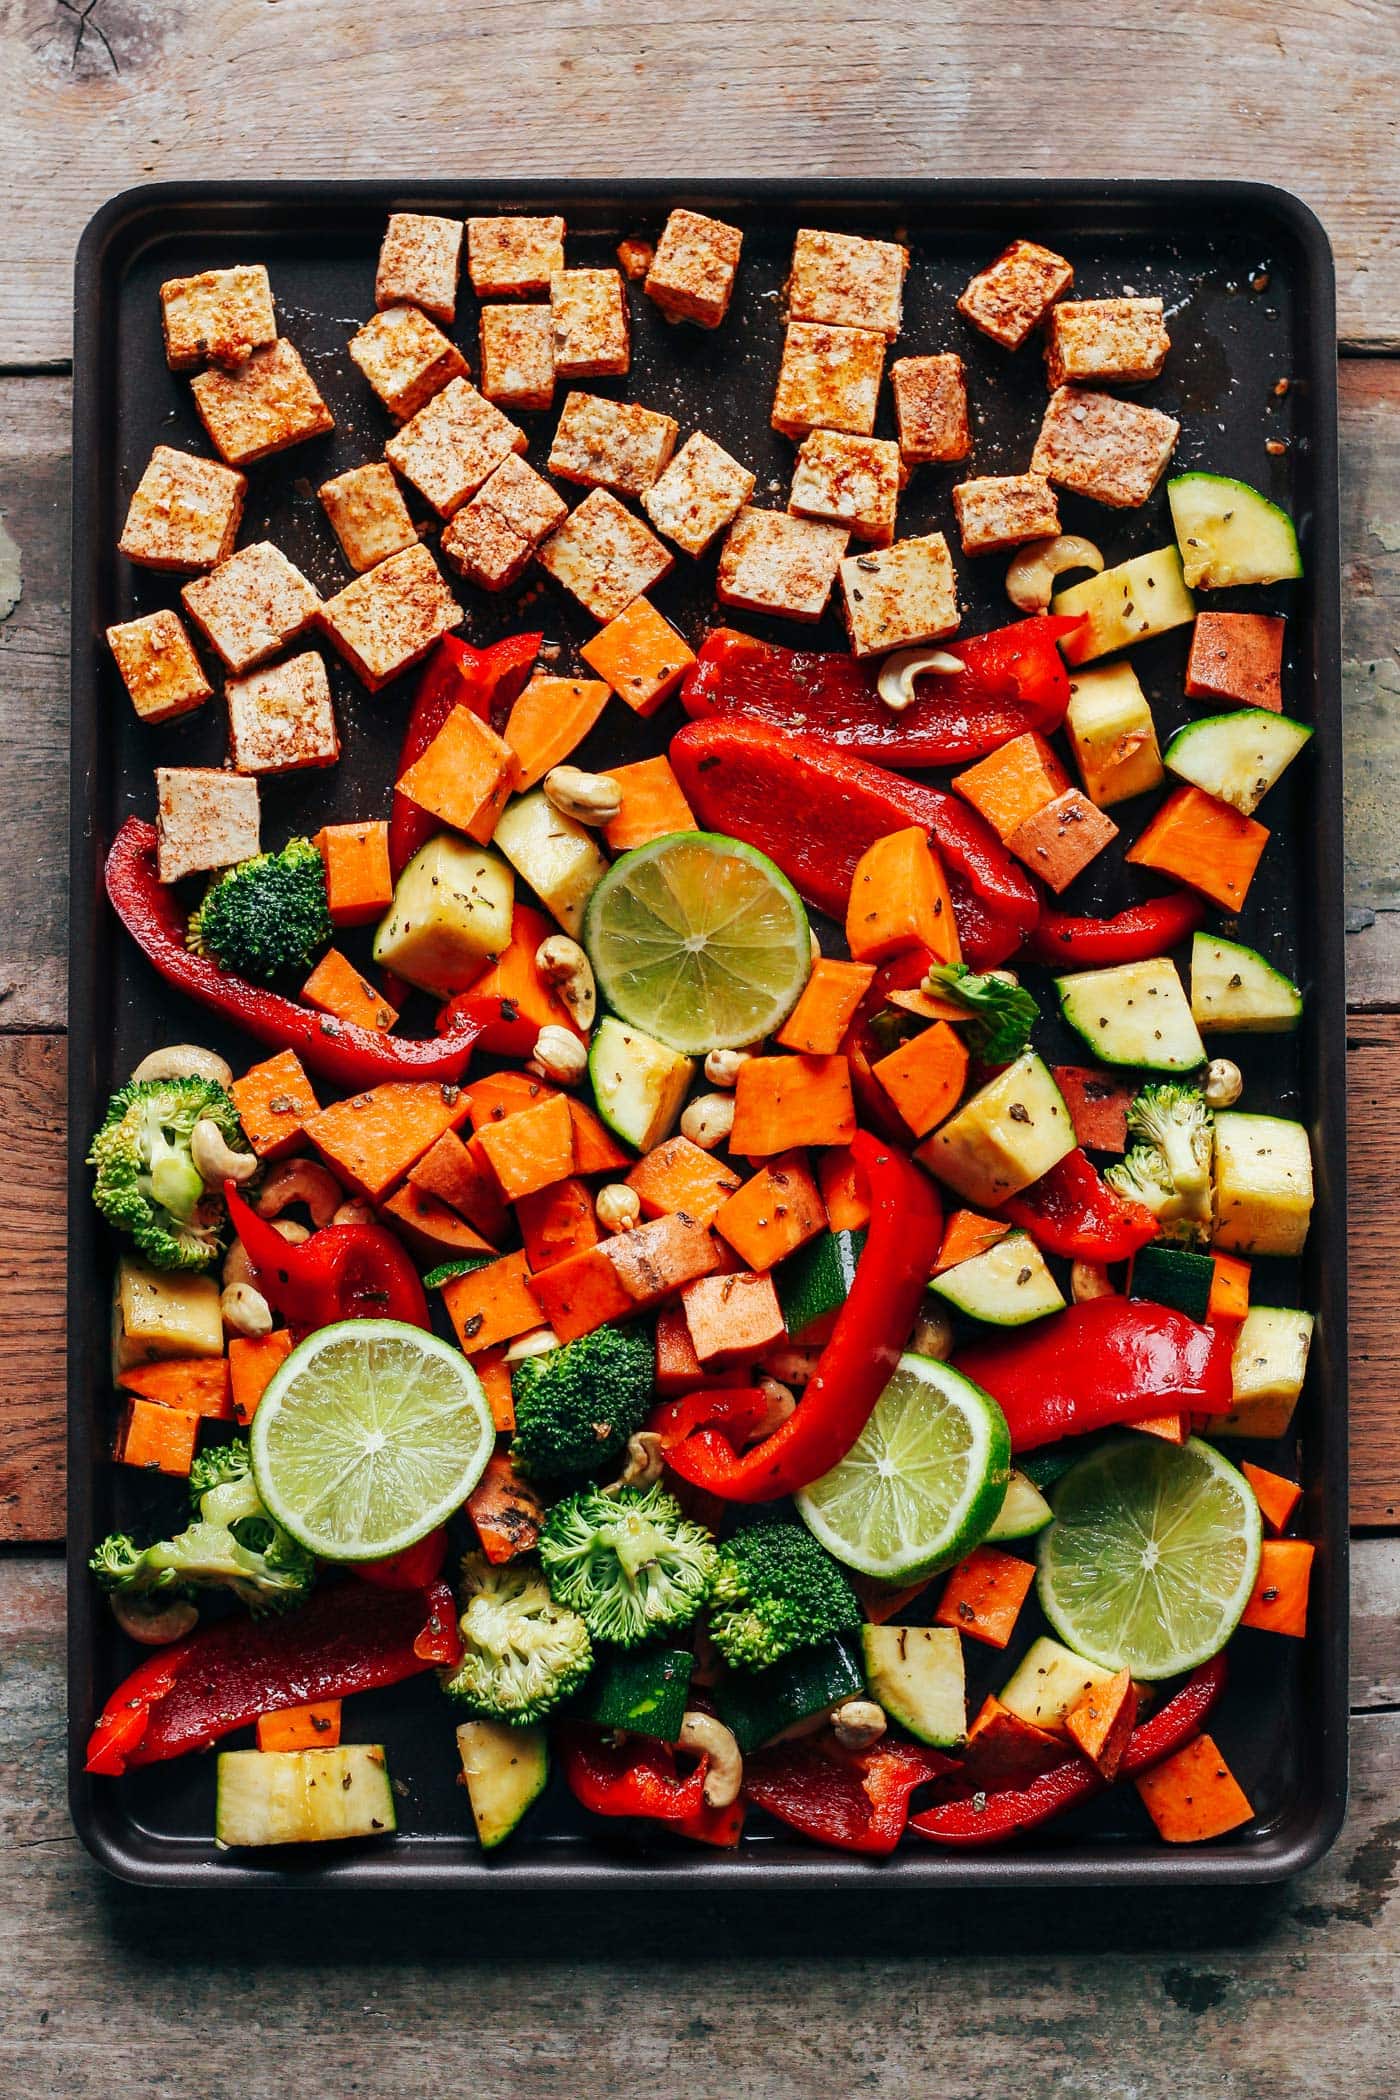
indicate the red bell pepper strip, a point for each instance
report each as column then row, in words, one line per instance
column 347, row 1056
column 733, row 1409
column 1072, row 1211
column 902, row 1241
column 1062, row 941
column 857, row 1801
column 343, row 1272
column 975, row 1819
column 1012, row 680
column 413, row 1569
column 1108, row 1361
column 814, row 810
column 344, row 1639
column 862, row 1048
column 634, row 1777
column 505, row 1032
column 455, row 675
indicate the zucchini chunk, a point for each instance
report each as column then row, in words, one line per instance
column 1229, row 534
column 916, row 1673
column 506, row 1770
column 1133, row 1014
column 301, row 1797
column 1235, row 992
column 1007, row 1286
column 1237, row 757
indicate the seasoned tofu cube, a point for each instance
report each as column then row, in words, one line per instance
column 604, row 556
column 635, row 256
column 1105, row 340
column 640, row 655
column 772, row 562
column 903, row 594
column 419, row 263
column 847, row 281
column 205, row 819
column 252, row 605
column 851, row 481
column 268, row 404
column 388, row 619
column 930, row 407
column 451, row 445
column 691, row 277
column 1098, row 446
column 184, row 513
column 405, row 359
column 508, row 256
column 159, row 667
column 701, row 492
column 592, row 333
column 524, row 499
column 829, row 379
column 517, row 356
column 1004, row 510
column 218, row 317
column 280, row 720
column 1059, row 841
column 480, row 545
column 1013, row 294
column 611, row 444
column 368, row 514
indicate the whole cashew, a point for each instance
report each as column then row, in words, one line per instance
column 619, row 1208
column 301, row 1181
column 1031, row 576
column 154, row 1621
column 238, row 1268
column 354, row 1211
column 215, row 1160
column 643, row 1462
column 244, row 1309
column 724, row 1774
column 185, row 1061
column 859, row 1723
column 589, row 798
column 898, row 673
column 562, row 963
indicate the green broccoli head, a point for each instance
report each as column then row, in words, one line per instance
column 1169, row 1168
column 775, row 1590
column 147, row 1182
column 629, row 1562
column 522, row 1652
column 267, row 918
column 576, row 1407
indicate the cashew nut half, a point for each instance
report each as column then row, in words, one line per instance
column 185, row 1061
column 215, row 1160
column 724, row 1774
column 301, row 1181
column 858, row 1723
column 562, row 963
column 898, row 673
column 238, row 1268
column 1031, row 576
column 1089, row 1279
column 154, row 1621
column 1224, row 1083
column 933, row 1334
column 722, row 1067
column 589, row 798
column 540, row 1341
column 643, row 1465
column 244, row 1309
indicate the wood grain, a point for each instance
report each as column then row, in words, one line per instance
column 33, row 1325
column 1373, row 1165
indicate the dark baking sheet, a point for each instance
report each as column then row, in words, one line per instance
column 1246, row 275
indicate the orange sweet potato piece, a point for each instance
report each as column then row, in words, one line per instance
column 1203, row 843
column 827, row 1007
column 965, row 1236
column 1101, row 1720
column 1237, row 657
column 459, row 1176
column 371, row 1140
column 1012, row 783
column 464, row 776
column 313, row 1727
column 882, row 1601
column 514, row 979
column 492, row 1304
column 1279, row 1601
column 678, row 1369
column 494, row 1372
column 781, row 1103
column 197, row 1383
column 1005, row 1750
column 844, row 1190
column 596, row 1150
column 336, row 987
column 1229, row 1290
column 157, row 1438
column 984, row 1594
column 579, row 1294
column 550, row 719
column 1098, row 1106
column 502, row 1094
column 1172, row 1429
column 731, row 1317
column 655, row 1260
column 557, row 1221
column 1277, row 1497
column 274, row 1102
column 774, row 1213
column 913, row 999
column 924, row 1077
column 652, row 805
column 899, row 899
column 252, row 1362
column 1193, row 1794
column 1059, row 841
column 679, row 1176
column 431, row 1227
column 359, row 882
column 506, row 1511
column 531, row 1149
column 643, row 659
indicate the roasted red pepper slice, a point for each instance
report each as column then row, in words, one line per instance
column 123, row 1720
column 343, row 1272
column 855, row 1800
column 456, row 675
column 733, row 1409
column 814, row 810
column 504, row 1030
column 1110, row 1360
column 1013, row 679
column 413, row 1569
column 636, row 1776
column 1072, row 1211
column 1063, row 942
column 902, row 1241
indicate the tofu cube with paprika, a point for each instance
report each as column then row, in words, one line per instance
column 158, row 666
column 702, row 490
column 848, row 281
column 218, row 317
column 523, row 499
column 184, row 513
column 420, row 260
column 604, row 556
column 592, row 331
column 1107, row 341
column 930, row 408
column 1112, row 734
column 829, row 379
column 1237, row 658
column 1011, row 297
column 611, row 444
column 510, row 256
column 453, row 443
column 1004, row 1137
column 517, row 356
column 850, row 481
column 280, row 719
column 388, row 619
column 405, row 359
column 1263, row 1184
column 732, row 1318
column 267, row 404
column 1099, row 446
column 359, row 883
column 1059, row 841
column 205, row 818
column 895, row 596
column 367, row 514
column 772, row 562
column 464, row 776
column 997, row 511
column 691, row 274
column 640, row 655
column 478, row 543
column 251, row 605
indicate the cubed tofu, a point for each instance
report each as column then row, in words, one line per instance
column 592, row 332
column 251, row 606
column 1237, row 657
column 614, row 445
column 387, row 620
column 205, row 819
column 850, row 481
column 997, row 511
column 691, row 277
column 524, row 499
column 640, row 655
column 419, row 264
column 829, row 379
column 184, row 513
column 517, row 356
column 635, row 256
column 930, row 408
column 604, row 556
column 512, row 255
column 847, row 281
column 268, row 404
column 772, row 562
column 903, row 594
column 1013, row 294
column 368, row 514
column 1059, row 841
column 280, row 720
column 453, row 443
column 158, row 666
column 481, row 546
column 1112, row 734
column 219, row 317
column 405, row 359
column 701, row 492
column 1108, row 341
column 1098, row 446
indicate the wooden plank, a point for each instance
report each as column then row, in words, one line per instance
column 33, row 1322
column 1373, row 1160
column 101, row 94
column 1371, row 679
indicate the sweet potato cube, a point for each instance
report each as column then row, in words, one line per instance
column 925, row 1077
column 1229, row 1290
column 464, row 776
column 965, row 1236
column 1279, row 1600
column 782, row 1103
column 641, row 656
column 1101, row 1720
column 336, row 987
column 844, row 1190
column 1059, row 841
column 827, row 1007
column 732, row 1317
column 984, row 1594
column 549, row 720
column 883, row 1601
column 774, row 1213
column 557, row 1222
column 459, row 1176
column 506, row 1511
column 655, row 1260
column 1003, row 1750
column 678, row 1369
column 579, row 1294
column 199, row 1384
column 679, row 1176
column 530, row 1150
column 252, row 1362
column 1170, row 1429
column 159, row 1439
column 494, row 1372
column 596, row 1150
column 502, row 1094
column 372, row 1139
column 1014, row 783
column 359, row 884
column 312, row 1727
column 492, row 1304
column 1205, row 844
column 652, row 804
column 1277, row 1497
column 514, row 977
column 1237, row 658
column 1193, row 1795
column 275, row 1102
column 433, row 1230
column 899, row 899
column 1098, row 1105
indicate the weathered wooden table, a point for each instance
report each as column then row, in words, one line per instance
column 104, row 1990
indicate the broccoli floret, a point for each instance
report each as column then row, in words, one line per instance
column 522, row 1652
column 147, row 1183
column 232, row 1543
column 628, row 1561
column 268, row 917
column 1169, row 1168
column 576, row 1407
column 1004, row 1012
column 775, row 1590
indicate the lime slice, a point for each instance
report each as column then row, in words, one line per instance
column 370, row 1435
column 924, row 1481
column 1151, row 1557
column 699, row 940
